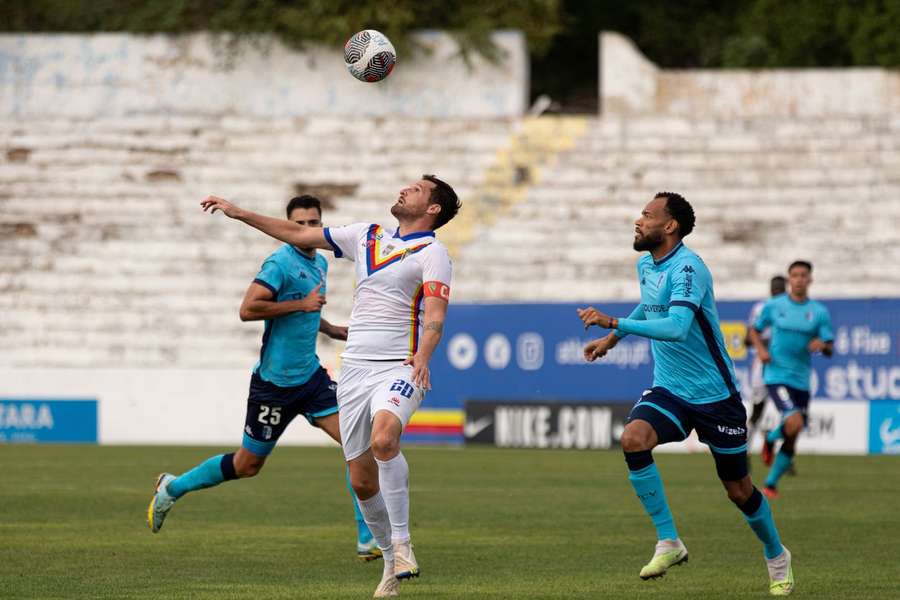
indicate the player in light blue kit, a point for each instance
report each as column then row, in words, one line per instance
column 800, row 327
column 288, row 380
column 694, row 386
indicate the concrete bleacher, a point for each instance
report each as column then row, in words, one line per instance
column 108, row 143
column 107, row 260
column 766, row 191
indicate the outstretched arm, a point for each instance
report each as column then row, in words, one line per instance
column 280, row 229
column 673, row 328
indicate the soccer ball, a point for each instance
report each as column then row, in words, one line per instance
column 369, row 55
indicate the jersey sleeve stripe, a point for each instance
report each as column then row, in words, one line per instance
column 685, row 303
column 713, row 347
column 266, row 285
column 335, row 247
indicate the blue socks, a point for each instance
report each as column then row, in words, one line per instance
column 363, row 535
column 210, row 472
column 648, row 485
column 776, row 434
column 782, row 463
column 759, row 516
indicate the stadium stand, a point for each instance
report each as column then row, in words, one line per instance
column 107, row 261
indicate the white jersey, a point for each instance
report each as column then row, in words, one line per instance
column 765, row 334
column 758, row 388
column 393, row 276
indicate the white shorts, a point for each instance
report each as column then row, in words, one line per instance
column 758, row 390
column 366, row 387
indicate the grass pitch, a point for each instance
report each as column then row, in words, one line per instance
column 486, row 524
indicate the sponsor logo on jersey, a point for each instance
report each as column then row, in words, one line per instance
column 655, row 308
column 731, row 430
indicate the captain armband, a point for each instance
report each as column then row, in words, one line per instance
column 437, row 289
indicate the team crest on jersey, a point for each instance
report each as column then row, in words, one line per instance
column 809, row 316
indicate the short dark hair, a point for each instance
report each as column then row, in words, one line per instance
column 778, row 284
column 304, row 201
column 444, row 196
column 680, row 210
column 801, row 263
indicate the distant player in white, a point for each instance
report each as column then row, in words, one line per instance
column 758, row 390
column 402, row 292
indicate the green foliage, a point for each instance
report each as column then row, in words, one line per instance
column 561, row 34
column 296, row 22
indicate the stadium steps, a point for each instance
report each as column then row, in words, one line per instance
column 106, row 259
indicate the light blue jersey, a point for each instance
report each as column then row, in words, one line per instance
column 288, row 355
column 678, row 313
column 794, row 325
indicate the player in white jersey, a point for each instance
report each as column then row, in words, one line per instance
column 758, row 390
column 399, row 305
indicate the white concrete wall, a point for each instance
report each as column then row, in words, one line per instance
column 156, row 406
column 114, row 75
column 632, row 85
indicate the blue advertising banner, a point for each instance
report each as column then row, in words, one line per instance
column 44, row 420
column 534, row 352
column 884, row 427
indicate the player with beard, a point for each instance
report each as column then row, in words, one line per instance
column 694, row 386
column 399, row 306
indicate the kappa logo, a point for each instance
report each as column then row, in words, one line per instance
column 688, row 269
column 303, row 275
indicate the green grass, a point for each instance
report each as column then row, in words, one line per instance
column 486, row 524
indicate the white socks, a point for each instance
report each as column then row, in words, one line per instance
column 778, row 566
column 663, row 546
column 393, row 478
column 376, row 515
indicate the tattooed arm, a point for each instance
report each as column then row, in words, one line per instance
column 433, row 327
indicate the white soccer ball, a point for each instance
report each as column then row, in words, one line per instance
column 369, row 55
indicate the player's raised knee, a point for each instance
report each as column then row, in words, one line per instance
column 247, row 464
column 637, row 437
column 793, row 424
